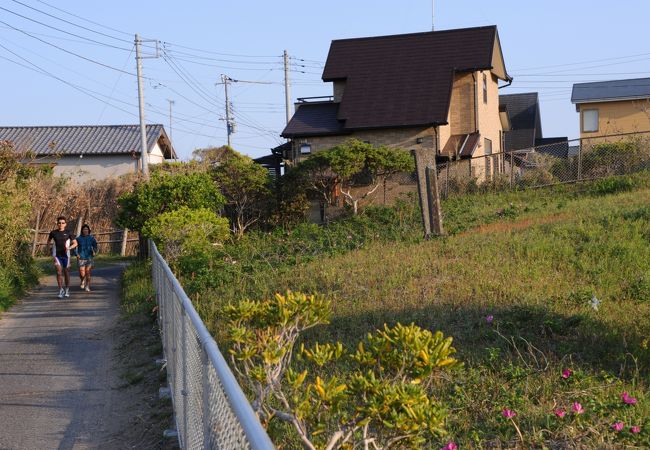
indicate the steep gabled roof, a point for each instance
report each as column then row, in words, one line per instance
column 523, row 110
column 615, row 90
column 86, row 139
column 406, row 80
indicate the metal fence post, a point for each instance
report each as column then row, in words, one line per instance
column 580, row 160
column 512, row 165
column 205, row 398
column 184, row 392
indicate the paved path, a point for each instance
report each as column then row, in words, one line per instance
column 57, row 384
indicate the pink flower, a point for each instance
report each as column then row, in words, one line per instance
column 508, row 413
column 560, row 412
column 489, row 318
column 627, row 399
column 451, row 445
column 618, row 426
column 577, row 408
column 635, row 429
column 566, row 373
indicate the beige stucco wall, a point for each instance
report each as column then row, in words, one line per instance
column 99, row 167
column 631, row 116
column 405, row 138
column 489, row 124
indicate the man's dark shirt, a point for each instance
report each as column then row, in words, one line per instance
column 60, row 238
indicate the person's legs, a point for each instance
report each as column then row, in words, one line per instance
column 59, row 275
column 88, row 269
column 66, row 275
column 82, row 274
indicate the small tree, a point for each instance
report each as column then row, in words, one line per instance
column 186, row 231
column 246, row 187
column 358, row 168
column 167, row 192
column 384, row 398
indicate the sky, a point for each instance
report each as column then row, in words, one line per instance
column 72, row 62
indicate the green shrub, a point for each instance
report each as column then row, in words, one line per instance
column 612, row 185
column 384, row 399
column 186, row 231
column 167, row 192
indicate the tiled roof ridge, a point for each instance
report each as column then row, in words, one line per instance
column 80, row 126
column 418, row 33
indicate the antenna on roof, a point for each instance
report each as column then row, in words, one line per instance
column 433, row 16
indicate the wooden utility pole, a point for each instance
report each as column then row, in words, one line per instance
column 287, row 92
column 144, row 156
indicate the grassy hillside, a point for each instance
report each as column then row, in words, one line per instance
column 528, row 283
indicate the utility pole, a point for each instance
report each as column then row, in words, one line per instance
column 433, row 16
column 287, row 92
column 171, row 102
column 144, row 157
column 230, row 121
column 230, row 129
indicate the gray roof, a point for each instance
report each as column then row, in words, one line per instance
column 86, row 139
column 602, row 91
column 523, row 110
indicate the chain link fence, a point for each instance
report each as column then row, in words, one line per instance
column 210, row 409
column 560, row 162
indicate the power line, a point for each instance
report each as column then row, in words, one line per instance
column 68, row 51
column 70, row 23
column 59, row 30
column 87, row 20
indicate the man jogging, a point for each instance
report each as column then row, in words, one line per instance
column 64, row 241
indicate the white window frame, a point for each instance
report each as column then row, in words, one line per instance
column 591, row 129
column 304, row 146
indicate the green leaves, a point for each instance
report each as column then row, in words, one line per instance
column 167, row 192
column 384, row 391
column 407, row 352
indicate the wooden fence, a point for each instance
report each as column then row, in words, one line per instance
column 111, row 241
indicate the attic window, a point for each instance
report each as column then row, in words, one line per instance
column 485, row 89
column 305, row 149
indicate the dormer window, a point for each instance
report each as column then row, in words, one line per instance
column 305, row 149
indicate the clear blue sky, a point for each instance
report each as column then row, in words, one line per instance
column 547, row 46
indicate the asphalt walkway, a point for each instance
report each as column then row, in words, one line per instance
column 57, row 383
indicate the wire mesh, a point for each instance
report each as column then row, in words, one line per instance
column 210, row 409
column 554, row 163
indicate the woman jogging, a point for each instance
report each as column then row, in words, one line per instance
column 86, row 250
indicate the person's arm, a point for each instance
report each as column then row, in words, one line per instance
column 94, row 245
column 49, row 238
column 73, row 243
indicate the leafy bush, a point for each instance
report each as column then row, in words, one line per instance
column 167, row 192
column 384, row 398
column 612, row 185
column 17, row 270
column 186, row 231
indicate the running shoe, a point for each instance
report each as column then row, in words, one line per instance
column 67, row 292
column 87, row 288
column 61, row 293
column 83, row 283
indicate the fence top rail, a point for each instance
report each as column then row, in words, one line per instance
column 255, row 433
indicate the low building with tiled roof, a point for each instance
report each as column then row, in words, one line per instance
column 612, row 107
column 433, row 92
column 91, row 152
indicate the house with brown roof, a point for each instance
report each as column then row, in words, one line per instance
column 433, row 92
column 92, row 152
